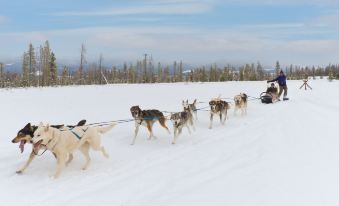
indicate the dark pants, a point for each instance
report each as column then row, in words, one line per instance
column 281, row 89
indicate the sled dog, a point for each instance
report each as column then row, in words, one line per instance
column 190, row 109
column 179, row 121
column 147, row 118
column 240, row 102
column 64, row 142
column 218, row 107
column 25, row 135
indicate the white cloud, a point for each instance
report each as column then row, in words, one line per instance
column 327, row 20
column 284, row 2
column 3, row 19
column 195, row 46
column 184, row 7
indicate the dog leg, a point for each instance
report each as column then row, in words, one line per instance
column 135, row 133
column 192, row 123
column 175, row 135
column 31, row 157
column 60, row 165
column 162, row 122
column 104, row 152
column 211, row 121
column 149, row 127
column 225, row 117
column 96, row 145
column 221, row 120
column 85, row 151
column 180, row 131
column 70, row 158
column 189, row 130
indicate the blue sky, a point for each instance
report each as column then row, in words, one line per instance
column 197, row 32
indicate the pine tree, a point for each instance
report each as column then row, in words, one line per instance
column 277, row 68
column 167, row 77
column 260, row 72
column 160, row 73
column 65, row 76
column 144, row 73
column 46, row 57
column 174, row 72
column 53, row 70
column 2, row 76
column 25, row 71
column 114, row 74
column 330, row 75
column 80, row 77
column 32, row 65
column 180, row 78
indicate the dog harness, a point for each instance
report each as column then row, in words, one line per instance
column 78, row 136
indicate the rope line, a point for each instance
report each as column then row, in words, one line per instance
column 122, row 121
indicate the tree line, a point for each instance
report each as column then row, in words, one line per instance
column 39, row 68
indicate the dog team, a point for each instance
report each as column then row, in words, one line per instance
column 62, row 141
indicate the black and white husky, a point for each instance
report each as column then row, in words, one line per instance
column 180, row 120
column 190, row 109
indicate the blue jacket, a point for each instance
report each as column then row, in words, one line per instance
column 281, row 80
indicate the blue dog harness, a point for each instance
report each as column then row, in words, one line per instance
column 77, row 135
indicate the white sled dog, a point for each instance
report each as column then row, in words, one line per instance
column 64, row 142
column 240, row 102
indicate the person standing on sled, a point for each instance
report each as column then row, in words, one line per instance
column 281, row 79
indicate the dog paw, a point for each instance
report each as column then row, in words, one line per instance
column 19, row 172
column 173, row 142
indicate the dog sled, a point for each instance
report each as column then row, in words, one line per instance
column 270, row 95
column 266, row 98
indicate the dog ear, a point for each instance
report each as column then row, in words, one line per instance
column 187, row 101
column 183, row 102
column 195, row 101
column 47, row 128
column 28, row 125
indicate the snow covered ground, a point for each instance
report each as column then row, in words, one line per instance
column 279, row 154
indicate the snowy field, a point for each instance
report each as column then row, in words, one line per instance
column 280, row 154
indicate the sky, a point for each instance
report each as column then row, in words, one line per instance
column 299, row 32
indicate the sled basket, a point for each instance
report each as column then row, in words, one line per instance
column 266, row 98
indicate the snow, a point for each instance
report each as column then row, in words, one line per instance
column 279, row 154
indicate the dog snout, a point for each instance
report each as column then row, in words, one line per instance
column 13, row 140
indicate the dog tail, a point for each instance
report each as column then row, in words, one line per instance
column 103, row 130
